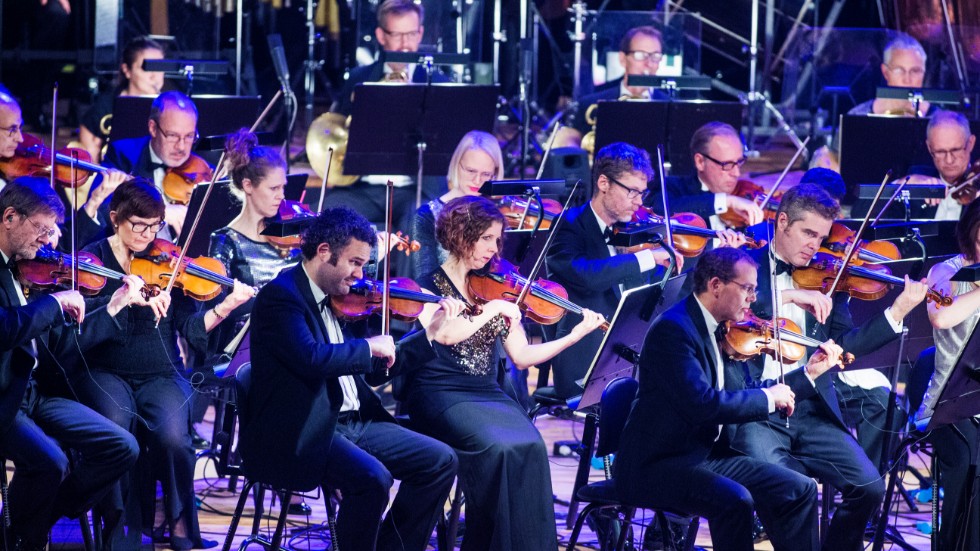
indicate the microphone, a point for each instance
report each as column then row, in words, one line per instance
column 278, row 54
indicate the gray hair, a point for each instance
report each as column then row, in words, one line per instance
column 903, row 41
column 952, row 118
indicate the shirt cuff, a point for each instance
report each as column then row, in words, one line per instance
column 721, row 202
column 895, row 325
column 646, row 259
column 770, row 400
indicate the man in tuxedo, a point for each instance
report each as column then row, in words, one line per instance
column 675, row 450
column 313, row 420
column 581, row 259
column 39, row 426
column 816, row 441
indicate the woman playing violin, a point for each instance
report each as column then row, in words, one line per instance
column 476, row 159
column 457, row 398
column 952, row 327
column 137, row 377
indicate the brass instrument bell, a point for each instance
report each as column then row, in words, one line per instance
column 329, row 130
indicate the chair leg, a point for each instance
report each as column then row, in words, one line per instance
column 665, row 534
column 259, row 502
column 235, row 518
column 692, row 533
column 281, row 523
column 625, row 527
column 579, row 522
column 86, row 528
column 584, row 464
column 452, row 523
column 331, row 520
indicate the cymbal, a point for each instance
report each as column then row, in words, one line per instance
column 329, row 130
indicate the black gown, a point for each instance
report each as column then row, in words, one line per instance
column 504, row 467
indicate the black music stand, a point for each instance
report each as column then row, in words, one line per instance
column 187, row 68
column 222, row 208
column 518, row 243
column 648, row 124
column 413, row 129
column 619, row 353
column 917, row 95
column 671, row 85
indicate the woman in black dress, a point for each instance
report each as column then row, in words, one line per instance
column 457, row 397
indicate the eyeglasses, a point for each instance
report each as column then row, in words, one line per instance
column 141, row 227
column 915, row 72
column 630, row 192
column 749, row 289
column 472, row 173
column 41, row 230
column 12, row 130
column 726, row 166
column 943, row 153
column 640, row 55
column 171, row 138
column 410, row 35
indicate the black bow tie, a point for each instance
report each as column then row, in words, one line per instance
column 607, row 234
column 324, row 304
column 154, row 166
column 11, row 265
column 720, row 332
column 784, row 267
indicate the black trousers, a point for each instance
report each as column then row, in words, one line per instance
column 867, row 411
column 816, row 446
column 47, row 484
column 364, row 458
column 955, row 445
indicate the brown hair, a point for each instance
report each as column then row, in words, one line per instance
column 719, row 263
column 966, row 230
column 806, row 198
column 617, row 159
column 32, row 194
column 133, row 48
column 463, row 220
column 646, row 30
column 247, row 159
column 137, row 197
column 703, row 136
column 398, row 7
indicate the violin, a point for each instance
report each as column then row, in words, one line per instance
column 841, row 237
column 690, row 232
column 522, row 214
column 33, row 158
column 406, row 300
column 861, row 280
column 201, row 278
column 747, row 189
column 289, row 211
column 50, row 269
column 964, row 189
column 546, row 302
column 754, row 336
column 179, row 182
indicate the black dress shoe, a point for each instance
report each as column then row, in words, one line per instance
column 186, row 544
column 199, row 442
column 300, row 509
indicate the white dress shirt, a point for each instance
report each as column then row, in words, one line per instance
column 336, row 336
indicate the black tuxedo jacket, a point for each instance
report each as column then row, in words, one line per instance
column 678, row 407
column 579, row 260
column 870, row 336
column 685, row 195
column 374, row 72
column 131, row 156
column 296, row 395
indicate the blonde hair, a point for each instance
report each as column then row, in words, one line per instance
column 476, row 140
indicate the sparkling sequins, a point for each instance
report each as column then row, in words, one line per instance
column 475, row 354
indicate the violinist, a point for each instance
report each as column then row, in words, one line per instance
column 581, row 260
column 676, row 445
column 718, row 158
column 172, row 129
column 952, row 327
column 903, row 66
column 136, row 377
column 314, row 418
column 817, row 442
column 477, row 159
column 457, row 396
column 42, row 421
column 11, row 130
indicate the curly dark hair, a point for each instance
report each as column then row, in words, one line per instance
column 336, row 227
column 719, row 263
column 463, row 220
column 137, row 197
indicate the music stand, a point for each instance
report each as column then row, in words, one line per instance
column 619, row 352
column 670, row 84
column 222, row 208
column 413, row 129
column 187, row 68
column 917, row 95
column 519, row 242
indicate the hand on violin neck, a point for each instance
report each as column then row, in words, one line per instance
column 783, row 398
column 110, row 181
column 72, row 304
column 731, row 238
column 813, row 302
column 128, row 294
column 383, row 346
column 240, row 294
column 824, row 359
column 590, row 322
column 910, row 297
column 451, row 307
column 508, row 310
column 748, row 210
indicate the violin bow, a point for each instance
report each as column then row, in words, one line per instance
column 668, row 243
column 218, row 171
column 547, row 151
column 386, row 266
column 326, row 175
column 855, row 244
column 774, row 299
column 891, row 199
column 54, row 137
column 786, row 169
column 547, row 243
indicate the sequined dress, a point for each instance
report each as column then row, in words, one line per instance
column 457, row 399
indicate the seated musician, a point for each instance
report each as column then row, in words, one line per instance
column 903, row 66
column 43, row 423
column 952, row 327
column 640, row 52
column 675, row 449
column 718, row 155
column 399, row 29
column 11, row 131
column 172, row 127
column 314, row 417
column 816, row 441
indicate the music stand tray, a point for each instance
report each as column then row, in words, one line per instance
column 215, row 115
column 620, row 349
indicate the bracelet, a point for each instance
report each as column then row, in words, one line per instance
column 217, row 315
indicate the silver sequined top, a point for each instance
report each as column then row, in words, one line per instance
column 251, row 262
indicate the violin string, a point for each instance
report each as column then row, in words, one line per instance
column 547, row 295
column 195, row 270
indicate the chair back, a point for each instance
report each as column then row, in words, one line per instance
column 614, row 409
column 919, row 376
column 243, row 386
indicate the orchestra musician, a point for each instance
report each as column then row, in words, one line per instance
column 312, row 414
column 718, row 155
column 903, row 66
column 457, row 396
column 816, row 441
column 11, row 129
column 42, row 421
column 952, row 327
column 132, row 80
column 136, row 377
column 675, row 448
